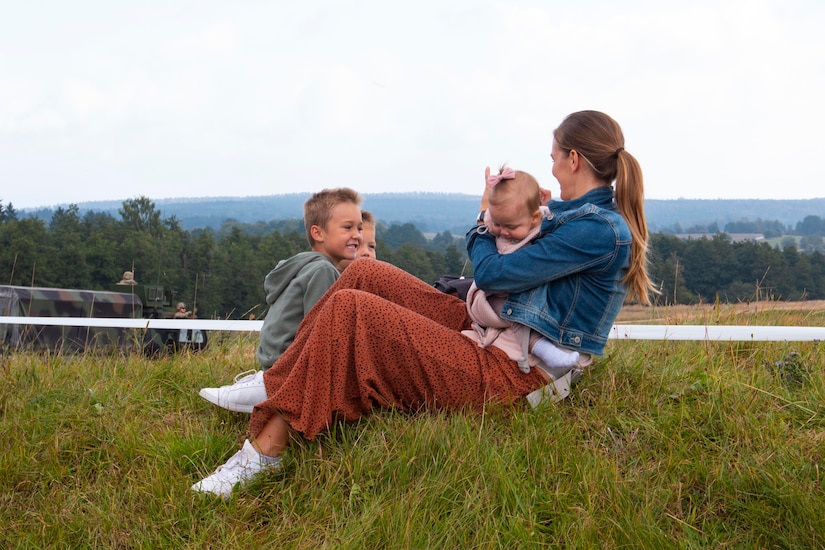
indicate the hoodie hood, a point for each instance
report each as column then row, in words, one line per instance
column 286, row 270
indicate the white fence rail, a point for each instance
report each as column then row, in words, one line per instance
column 711, row 333
column 717, row 333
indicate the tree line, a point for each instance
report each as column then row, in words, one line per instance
column 221, row 272
column 806, row 235
column 218, row 272
column 709, row 269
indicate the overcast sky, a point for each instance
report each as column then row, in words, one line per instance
column 108, row 100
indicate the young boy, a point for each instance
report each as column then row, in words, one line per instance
column 367, row 248
column 332, row 219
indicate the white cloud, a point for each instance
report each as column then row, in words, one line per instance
column 717, row 99
column 205, row 44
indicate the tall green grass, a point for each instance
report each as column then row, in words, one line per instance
column 661, row 445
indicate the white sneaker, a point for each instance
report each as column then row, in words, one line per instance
column 562, row 384
column 553, row 392
column 242, row 396
column 241, row 468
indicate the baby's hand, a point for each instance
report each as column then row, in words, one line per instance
column 485, row 195
column 545, row 195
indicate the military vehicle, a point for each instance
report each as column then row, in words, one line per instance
column 124, row 301
column 61, row 302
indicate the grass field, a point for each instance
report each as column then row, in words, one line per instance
column 661, row 445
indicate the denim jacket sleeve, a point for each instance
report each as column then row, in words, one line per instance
column 584, row 240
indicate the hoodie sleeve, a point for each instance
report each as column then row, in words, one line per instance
column 289, row 308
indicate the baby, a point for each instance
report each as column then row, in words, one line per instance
column 514, row 217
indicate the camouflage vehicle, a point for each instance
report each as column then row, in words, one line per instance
column 60, row 302
column 123, row 303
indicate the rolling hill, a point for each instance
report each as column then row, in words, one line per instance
column 436, row 212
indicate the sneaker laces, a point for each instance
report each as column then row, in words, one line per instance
column 244, row 459
column 236, row 461
column 246, row 376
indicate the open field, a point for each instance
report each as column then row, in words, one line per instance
column 733, row 314
column 661, row 445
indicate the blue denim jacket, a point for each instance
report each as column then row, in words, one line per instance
column 567, row 284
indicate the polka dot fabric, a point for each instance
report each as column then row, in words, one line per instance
column 383, row 338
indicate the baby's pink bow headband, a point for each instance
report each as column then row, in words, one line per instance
column 506, row 174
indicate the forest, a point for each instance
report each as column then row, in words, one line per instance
column 220, row 271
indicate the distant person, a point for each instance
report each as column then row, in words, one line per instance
column 128, row 278
column 381, row 338
column 513, row 215
column 332, row 220
column 181, row 313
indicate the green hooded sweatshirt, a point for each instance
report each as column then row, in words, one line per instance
column 292, row 288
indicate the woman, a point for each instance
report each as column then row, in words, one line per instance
column 382, row 338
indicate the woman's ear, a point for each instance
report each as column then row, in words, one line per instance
column 574, row 159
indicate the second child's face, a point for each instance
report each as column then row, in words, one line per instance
column 367, row 248
column 341, row 237
column 511, row 221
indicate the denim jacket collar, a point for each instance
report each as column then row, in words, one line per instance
column 601, row 196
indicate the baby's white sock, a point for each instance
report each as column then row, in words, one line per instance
column 552, row 355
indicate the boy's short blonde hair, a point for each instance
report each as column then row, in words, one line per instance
column 318, row 208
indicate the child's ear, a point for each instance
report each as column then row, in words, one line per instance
column 317, row 233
